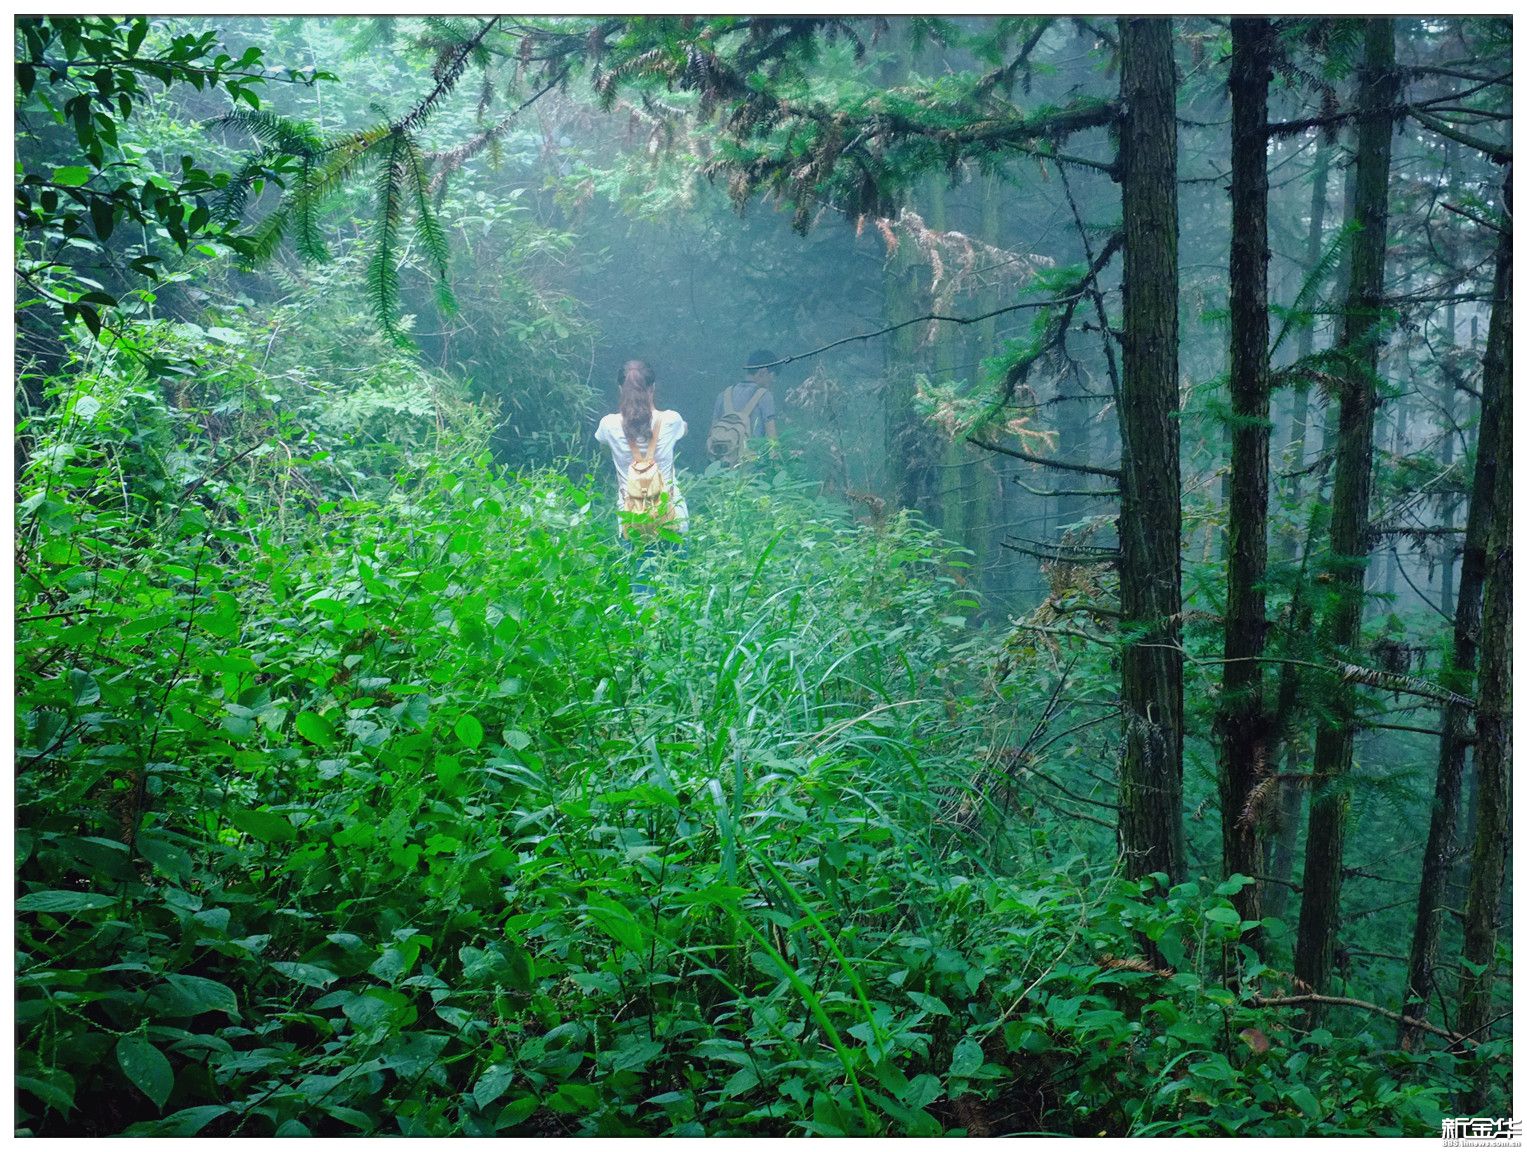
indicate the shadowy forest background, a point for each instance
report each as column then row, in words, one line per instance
column 1096, row 723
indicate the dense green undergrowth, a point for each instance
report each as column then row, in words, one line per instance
column 408, row 818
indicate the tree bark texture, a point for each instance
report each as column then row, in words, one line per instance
column 1291, row 796
column 910, row 447
column 1458, row 673
column 1492, row 753
column 1242, row 719
column 1150, row 516
column 1359, row 338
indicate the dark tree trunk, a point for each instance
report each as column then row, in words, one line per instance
column 1150, row 515
column 1291, row 796
column 1447, row 398
column 1458, row 673
column 1242, row 719
column 910, row 445
column 1492, row 754
column 1345, row 567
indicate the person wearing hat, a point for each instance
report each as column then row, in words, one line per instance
column 748, row 405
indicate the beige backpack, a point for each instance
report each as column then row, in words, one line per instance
column 646, row 491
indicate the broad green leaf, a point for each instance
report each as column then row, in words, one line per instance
column 391, row 965
column 377, row 1006
column 72, row 176
column 923, row 1090
column 616, row 920
column 84, row 688
column 170, row 859
column 573, row 1098
column 516, row 1112
column 315, row 729
column 929, row 1003
column 635, row 1055
column 310, row 974
column 968, row 1058
column 415, row 711
column 56, row 1091
column 193, row 995
column 269, row 827
column 1306, row 1101
column 469, row 731
column 146, row 1067
column 492, row 1084
column 63, row 901
column 186, row 1122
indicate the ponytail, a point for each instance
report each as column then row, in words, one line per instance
column 636, row 399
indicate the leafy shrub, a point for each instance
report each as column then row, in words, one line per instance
column 412, row 820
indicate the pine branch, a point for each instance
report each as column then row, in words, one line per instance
column 278, row 133
column 1313, row 279
column 1057, row 558
column 305, row 207
column 1348, row 672
column 449, row 75
column 427, row 227
column 382, row 272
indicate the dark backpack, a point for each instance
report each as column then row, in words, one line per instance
column 729, row 432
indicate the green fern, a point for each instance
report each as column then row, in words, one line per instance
column 427, row 228
column 382, row 272
column 1299, row 313
column 234, row 198
column 259, row 246
column 305, row 205
column 276, row 132
column 323, row 166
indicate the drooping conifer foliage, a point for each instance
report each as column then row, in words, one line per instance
column 1091, row 717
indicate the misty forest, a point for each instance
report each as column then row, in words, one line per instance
column 746, row 576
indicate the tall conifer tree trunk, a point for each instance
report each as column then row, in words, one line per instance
column 1150, row 514
column 1242, row 720
column 1458, row 673
column 1291, row 796
column 1359, row 339
column 1492, row 754
column 909, row 443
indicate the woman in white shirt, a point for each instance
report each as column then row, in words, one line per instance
column 629, row 434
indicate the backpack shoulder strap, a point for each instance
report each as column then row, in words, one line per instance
column 636, row 457
column 747, row 409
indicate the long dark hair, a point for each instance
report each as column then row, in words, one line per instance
column 636, row 399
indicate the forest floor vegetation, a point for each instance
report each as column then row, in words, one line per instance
column 401, row 816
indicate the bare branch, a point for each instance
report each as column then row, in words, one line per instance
column 1498, row 153
column 1348, row 1002
column 1043, row 461
column 931, row 316
column 1480, row 220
